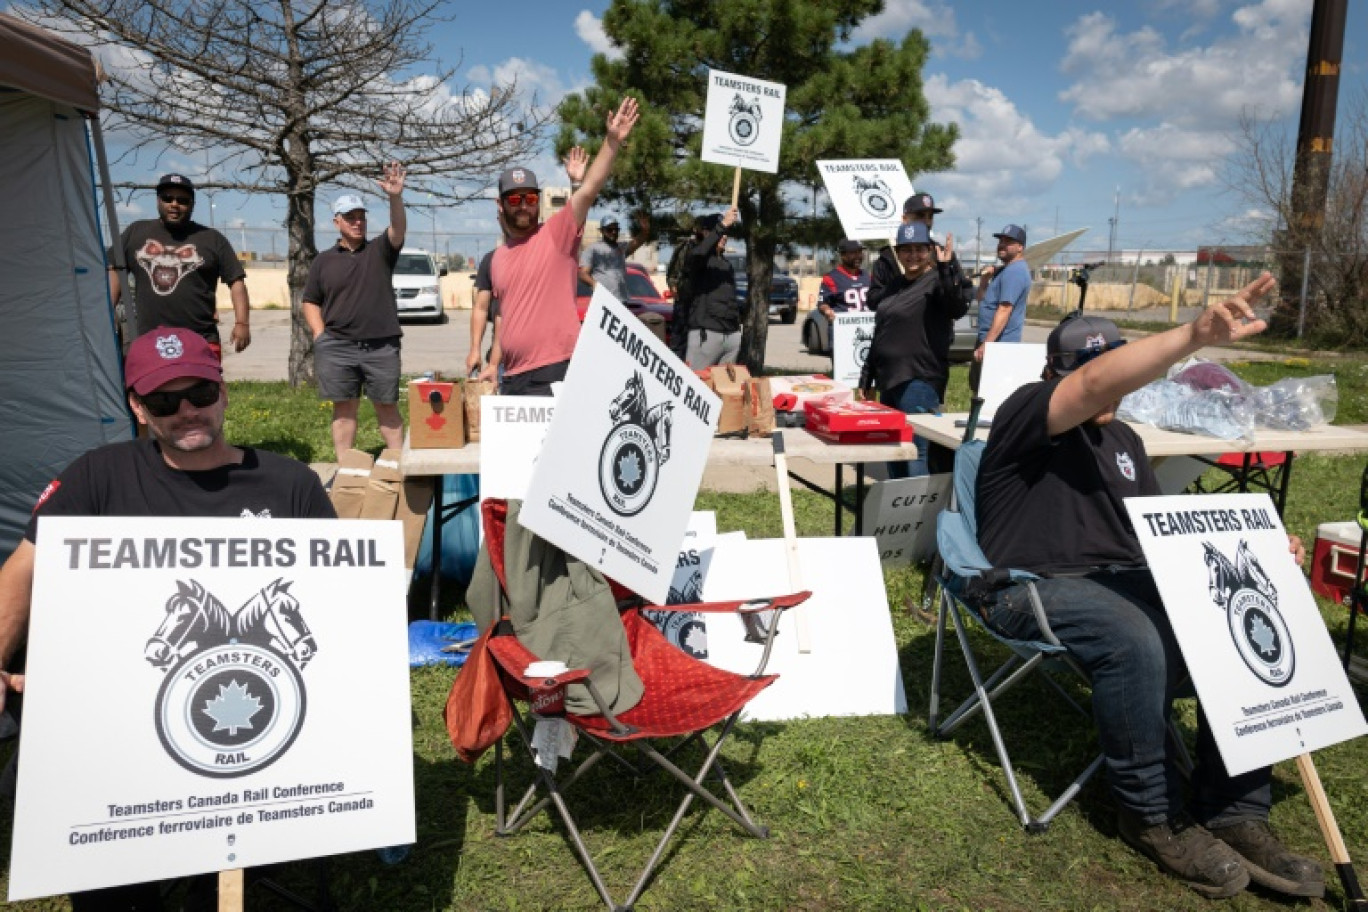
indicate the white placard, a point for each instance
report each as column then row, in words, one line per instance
column 743, row 122
column 852, row 669
column 900, row 515
column 867, row 195
column 512, row 429
column 688, row 630
column 1008, row 366
column 1266, row 671
column 192, row 702
column 630, row 436
column 851, row 336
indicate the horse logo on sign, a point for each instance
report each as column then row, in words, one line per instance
column 1244, row 591
column 876, row 197
column 233, row 699
column 744, row 126
column 636, row 448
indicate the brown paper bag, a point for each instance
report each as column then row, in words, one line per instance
column 349, row 484
column 414, row 499
column 475, row 390
column 729, row 382
column 382, row 489
column 759, row 408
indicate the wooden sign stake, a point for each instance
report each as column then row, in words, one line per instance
column 795, row 569
column 1330, row 832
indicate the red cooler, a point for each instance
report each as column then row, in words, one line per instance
column 1335, row 560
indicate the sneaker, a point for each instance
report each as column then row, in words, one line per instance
column 1269, row 862
column 1188, row 852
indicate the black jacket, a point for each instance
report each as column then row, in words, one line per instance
column 713, row 284
column 913, row 329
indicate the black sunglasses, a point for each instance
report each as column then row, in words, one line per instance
column 176, row 199
column 165, row 404
column 1082, row 356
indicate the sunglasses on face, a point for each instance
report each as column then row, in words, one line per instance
column 1081, row 356
column 174, row 200
column 517, row 199
column 167, row 403
column 352, row 216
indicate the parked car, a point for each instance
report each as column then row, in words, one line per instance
column 642, row 295
column 417, row 286
column 783, row 299
column 817, row 335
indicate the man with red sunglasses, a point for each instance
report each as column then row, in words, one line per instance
column 1051, row 484
column 184, row 467
column 176, row 264
column 534, row 273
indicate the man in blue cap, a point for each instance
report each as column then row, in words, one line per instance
column 1002, row 297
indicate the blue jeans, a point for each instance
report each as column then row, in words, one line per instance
column 915, row 397
column 1113, row 623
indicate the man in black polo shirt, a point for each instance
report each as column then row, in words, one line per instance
column 350, row 308
column 176, row 264
column 1050, row 489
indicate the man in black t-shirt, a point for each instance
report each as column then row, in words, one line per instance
column 184, row 467
column 1050, row 489
column 350, row 308
column 176, row 265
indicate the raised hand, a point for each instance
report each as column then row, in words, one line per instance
column 946, row 252
column 1233, row 319
column 576, row 163
column 621, row 122
column 392, row 181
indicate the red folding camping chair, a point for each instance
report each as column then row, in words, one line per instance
column 685, row 703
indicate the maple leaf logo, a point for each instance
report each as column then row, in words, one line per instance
column 629, row 470
column 1263, row 635
column 232, row 709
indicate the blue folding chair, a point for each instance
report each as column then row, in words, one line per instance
column 961, row 570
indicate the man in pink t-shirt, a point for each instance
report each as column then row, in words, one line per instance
column 534, row 272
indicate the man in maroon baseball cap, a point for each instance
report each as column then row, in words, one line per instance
column 183, row 468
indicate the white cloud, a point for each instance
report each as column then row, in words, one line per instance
column 1002, row 158
column 530, row 76
column 589, row 28
column 1137, row 74
column 935, row 18
column 1174, row 158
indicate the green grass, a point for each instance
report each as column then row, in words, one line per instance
column 864, row 814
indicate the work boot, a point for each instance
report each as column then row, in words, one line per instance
column 1269, row 862
column 1188, row 852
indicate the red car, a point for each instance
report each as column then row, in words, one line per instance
column 642, row 296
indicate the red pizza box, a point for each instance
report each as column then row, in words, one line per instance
column 1335, row 560
column 902, row 435
column 853, row 416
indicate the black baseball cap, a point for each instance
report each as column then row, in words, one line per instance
column 1078, row 339
column 176, row 180
column 708, row 222
column 849, row 246
column 920, row 202
column 517, row 179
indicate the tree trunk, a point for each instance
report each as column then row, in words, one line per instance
column 299, row 228
column 761, row 244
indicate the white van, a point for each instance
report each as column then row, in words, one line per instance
column 417, row 286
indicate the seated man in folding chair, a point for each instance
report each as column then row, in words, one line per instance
column 1058, row 463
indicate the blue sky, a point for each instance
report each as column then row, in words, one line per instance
column 1059, row 105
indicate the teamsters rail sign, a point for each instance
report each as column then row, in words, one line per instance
column 209, row 694
column 867, row 194
column 1255, row 644
column 743, row 122
column 631, row 435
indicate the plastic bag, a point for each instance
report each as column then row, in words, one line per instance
column 1296, row 403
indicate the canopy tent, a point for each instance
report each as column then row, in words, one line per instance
column 61, row 376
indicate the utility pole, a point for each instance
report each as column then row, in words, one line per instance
column 1116, row 217
column 978, row 243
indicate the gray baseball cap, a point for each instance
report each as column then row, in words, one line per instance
column 517, row 179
